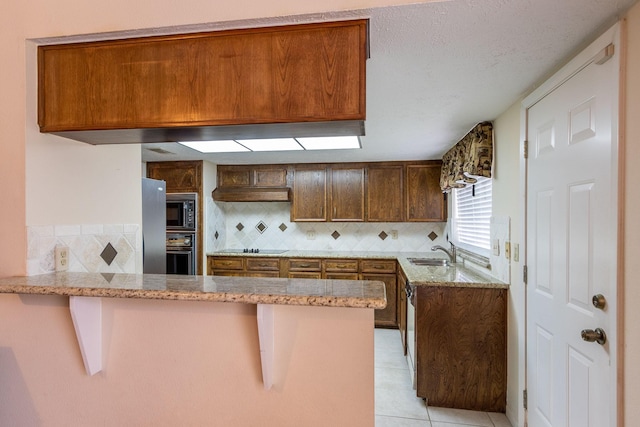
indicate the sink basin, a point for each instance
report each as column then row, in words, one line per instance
column 435, row 262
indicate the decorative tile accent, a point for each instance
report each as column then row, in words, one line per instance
column 240, row 227
column 433, row 236
column 261, row 226
column 335, row 234
column 108, row 276
column 108, row 254
column 383, row 235
column 283, row 227
column 216, row 235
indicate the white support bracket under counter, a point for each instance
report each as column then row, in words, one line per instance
column 86, row 313
column 265, row 335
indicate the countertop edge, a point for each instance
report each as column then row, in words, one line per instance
column 12, row 285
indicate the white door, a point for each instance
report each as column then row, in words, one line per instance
column 571, row 241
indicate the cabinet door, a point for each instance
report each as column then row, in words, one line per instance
column 181, row 177
column 309, row 195
column 270, row 177
column 425, row 201
column 309, row 72
column 385, row 189
column 386, row 317
column 347, row 194
column 234, row 176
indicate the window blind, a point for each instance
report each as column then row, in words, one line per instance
column 473, row 214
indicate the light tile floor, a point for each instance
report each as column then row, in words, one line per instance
column 396, row 401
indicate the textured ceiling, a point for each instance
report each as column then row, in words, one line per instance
column 437, row 69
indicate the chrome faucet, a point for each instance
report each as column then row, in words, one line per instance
column 451, row 253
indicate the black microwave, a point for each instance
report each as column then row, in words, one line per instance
column 181, row 211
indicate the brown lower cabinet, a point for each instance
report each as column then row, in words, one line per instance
column 461, row 338
column 383, row 270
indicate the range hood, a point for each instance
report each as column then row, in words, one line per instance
column 252, row 194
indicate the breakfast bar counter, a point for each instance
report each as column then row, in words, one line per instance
column 187, row 350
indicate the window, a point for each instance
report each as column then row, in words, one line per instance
column 472, row 216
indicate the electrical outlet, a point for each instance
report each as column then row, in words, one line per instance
column 311, row 235
column 394, row 234
column 496, row 247
column 507, row 250
column 516, row 252
column 62, row 258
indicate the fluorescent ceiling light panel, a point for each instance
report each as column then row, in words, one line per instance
column 275, row 144
column 330, row 142
column 223, row 146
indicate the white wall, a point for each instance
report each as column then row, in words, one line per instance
column 507, row 196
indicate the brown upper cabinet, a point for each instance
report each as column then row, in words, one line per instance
column 323, row 193
column 395, row 192
column 385, row 192
column 347, row 194
column 253, row 183
column 181, row 177
column 141, row 89
column 309, row 194
column 425, row 201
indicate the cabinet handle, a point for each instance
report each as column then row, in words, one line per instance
column 341, row 266
column 263, row 265
column 335, row 211
column 379, row 267
column 226, row 263
column 305, row 265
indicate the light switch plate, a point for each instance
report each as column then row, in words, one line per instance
column 496, row 247
column 311, row 235
column 507, row 250
column 516, row 252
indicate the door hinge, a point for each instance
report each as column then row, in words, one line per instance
column 526, row 149
column 525, row 403
column 524, row 274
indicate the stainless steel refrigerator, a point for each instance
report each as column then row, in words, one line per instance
column 154, row 225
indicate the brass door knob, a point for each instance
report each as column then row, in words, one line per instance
column 590, row 335
column 599, row 301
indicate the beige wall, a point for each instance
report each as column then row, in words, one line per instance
column 507, row 197
column 185, row 363
column 632, row 225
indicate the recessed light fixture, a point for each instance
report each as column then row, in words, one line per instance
column 223, row 146
column 273, row 144
column 276, row 144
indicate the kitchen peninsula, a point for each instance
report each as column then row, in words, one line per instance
column 188, row 350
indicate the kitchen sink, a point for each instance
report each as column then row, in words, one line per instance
column 435, row 262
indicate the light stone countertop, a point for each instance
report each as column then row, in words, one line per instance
column 248, row 290
column 456, row 275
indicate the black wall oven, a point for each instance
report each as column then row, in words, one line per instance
column 182, row 229
column 181, row 253
column 181, row 211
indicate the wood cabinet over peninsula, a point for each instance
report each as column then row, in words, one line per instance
column 198, row 85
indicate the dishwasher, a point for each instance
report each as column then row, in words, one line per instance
column 411, row 333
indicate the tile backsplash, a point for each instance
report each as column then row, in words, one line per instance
column 267, row 226
column 102, row 248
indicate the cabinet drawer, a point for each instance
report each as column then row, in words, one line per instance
column 341, row 265
column 341, row 276
column 378, row 266
column 305, row 265
column 228, row 263
column 263, row 264
column 305, row 275
column 262, row 274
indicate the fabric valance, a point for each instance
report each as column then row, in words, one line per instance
column 471, row 156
